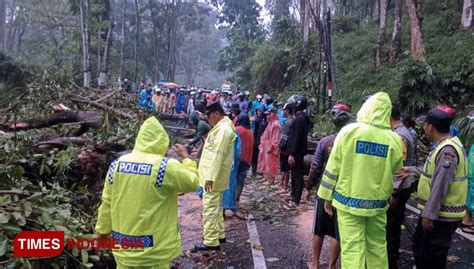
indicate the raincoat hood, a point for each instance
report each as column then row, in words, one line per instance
column 376, row 111
column 152, row 138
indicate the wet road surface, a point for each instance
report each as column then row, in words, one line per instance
column 285, row 236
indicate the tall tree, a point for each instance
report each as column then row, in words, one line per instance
column 137, row 30
column 107, row 44
column 396, row 42
column 306, row 20
column 282, row 9
column 382, row 34
column 466, row 17
column 172, row 32
column 122, row 38
column 86, row 53
column 3, row 15
column 155, row 19
column 417, row 44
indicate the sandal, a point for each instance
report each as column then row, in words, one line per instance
column 468, row 230
column 240, row 216
column 462, row 225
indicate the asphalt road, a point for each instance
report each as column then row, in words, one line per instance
column 284, row 236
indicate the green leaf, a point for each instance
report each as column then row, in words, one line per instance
column 5, row 199
column 84, row 256
column 75, row 252
column 47, row 219
column 27, row 209
column 3, row 245
column 16, row 172
column 12, row 228
column 19, row 218
column 104, row 24
column 65, row 213
column 4, row 217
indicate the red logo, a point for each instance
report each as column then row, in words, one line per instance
column 38, row 244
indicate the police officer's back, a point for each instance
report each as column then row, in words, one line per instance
column 140, row 198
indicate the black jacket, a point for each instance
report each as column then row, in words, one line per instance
column 298, row 136
column 260, row 125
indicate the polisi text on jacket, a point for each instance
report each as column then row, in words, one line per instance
column 370, row 148
column 135, row 168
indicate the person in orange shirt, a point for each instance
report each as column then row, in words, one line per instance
column 157, row 98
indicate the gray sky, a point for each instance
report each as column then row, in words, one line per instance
column 264, row 13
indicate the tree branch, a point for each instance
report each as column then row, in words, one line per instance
column 87, row 119
column 80, row 99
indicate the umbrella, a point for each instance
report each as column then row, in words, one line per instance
column 170, row 85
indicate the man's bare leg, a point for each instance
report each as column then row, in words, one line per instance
column 284, row 182
column 271, row 179
column 334, row 251
column 316, row 253
column 467, row 220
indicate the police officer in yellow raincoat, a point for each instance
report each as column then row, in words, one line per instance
column 214, row 170
column 140, row 200
column 358, row 181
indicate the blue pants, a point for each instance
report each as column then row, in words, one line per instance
column 241, row 175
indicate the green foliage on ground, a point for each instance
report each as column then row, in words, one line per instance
column 55, row 191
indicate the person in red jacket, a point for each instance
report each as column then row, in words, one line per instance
column 247, row 140
column 269, row 154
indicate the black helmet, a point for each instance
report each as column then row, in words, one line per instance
column 298, row 102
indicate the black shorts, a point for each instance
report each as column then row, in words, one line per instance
column 323, row 223
column 284, row 166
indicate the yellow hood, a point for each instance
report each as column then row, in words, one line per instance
column 376, row 111
column 152, row 138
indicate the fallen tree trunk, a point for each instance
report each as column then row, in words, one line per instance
column 173, row 117
column 86, row 119
column 179, row 131
column 179, row 128
column 13, row 192
column 80, row 99
column 105, row 97
column 61, row 142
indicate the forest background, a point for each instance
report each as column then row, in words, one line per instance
column 74, row 52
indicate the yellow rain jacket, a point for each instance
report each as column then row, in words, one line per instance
column 218, row 155
column 365, row 156
column 140, row 198
column 454, row 203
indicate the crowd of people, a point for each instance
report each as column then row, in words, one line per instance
column 363, row 174
column 185, row 99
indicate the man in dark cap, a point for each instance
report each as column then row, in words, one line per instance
column 214, row 170
column 441, row 192
column 324, row 224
